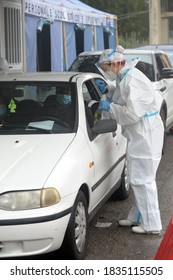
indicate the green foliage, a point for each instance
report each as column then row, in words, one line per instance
column 133, row 19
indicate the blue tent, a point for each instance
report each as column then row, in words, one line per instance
column 57, row 30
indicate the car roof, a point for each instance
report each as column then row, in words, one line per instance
column 164, row 47
column 130, row 51
column 45, row 76
column 141, row 51
column 91, row 53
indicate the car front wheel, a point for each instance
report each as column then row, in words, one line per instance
column 123, row 191
column 76, row 238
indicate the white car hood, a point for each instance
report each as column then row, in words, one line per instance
column 27, row 160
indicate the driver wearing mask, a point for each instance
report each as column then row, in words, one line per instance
column 63, row 96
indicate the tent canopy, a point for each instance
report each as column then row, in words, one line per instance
column 64, row 28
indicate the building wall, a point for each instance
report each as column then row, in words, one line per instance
column 161, row 21
column 11, row 34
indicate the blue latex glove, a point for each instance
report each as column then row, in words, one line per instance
column 102, row 86
column 104, row 105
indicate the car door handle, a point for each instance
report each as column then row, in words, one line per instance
column 163, row 89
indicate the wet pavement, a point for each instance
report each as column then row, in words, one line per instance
column 119, row 243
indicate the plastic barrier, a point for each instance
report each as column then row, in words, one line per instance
column 165, row 250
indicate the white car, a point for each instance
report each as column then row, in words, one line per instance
column 60, row 161
column 156, row 65
column 168, row 49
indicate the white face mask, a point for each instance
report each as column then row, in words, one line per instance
column 3, row 110
column 110, row 75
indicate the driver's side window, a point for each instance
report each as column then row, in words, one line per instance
column 91, row 100
column 86, row 93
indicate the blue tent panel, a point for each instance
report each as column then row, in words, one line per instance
column 100, row 40
column 56, row 47
column 88, row 38
column 31, row 44
column 62, row 16
column 70, row 43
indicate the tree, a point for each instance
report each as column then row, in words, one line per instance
column 133, row 19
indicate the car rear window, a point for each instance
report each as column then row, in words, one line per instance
column 145, row 64
column 85, row 64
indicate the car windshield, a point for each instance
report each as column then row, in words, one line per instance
column 85, row 64
column 34, row 108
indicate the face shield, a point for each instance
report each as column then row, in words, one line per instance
column 108, row 57
column 108, row 75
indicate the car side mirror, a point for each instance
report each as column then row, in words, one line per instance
column 104, row 126
column 167, row 73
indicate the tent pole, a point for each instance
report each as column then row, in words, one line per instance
column 65, row 45
column 95, row 38
column 116, row 30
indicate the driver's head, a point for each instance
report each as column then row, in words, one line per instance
column 63, row 95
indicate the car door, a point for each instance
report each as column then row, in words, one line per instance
column 165, row 87
column 108, row 150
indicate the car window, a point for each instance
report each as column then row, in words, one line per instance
column 32, row 108
column 86, row 93
column 91, row 99
column 91, row 91
column 147, row 69
column 162, row 62
column 170, row 55
column 85, row 64
column 145, row 64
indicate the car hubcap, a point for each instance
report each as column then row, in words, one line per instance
column 80, row 227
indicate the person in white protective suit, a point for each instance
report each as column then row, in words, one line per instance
column 135, row 106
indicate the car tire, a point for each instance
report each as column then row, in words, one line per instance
column 123, row 191
column 76, row 237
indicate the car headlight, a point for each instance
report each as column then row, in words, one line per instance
column 25, row 200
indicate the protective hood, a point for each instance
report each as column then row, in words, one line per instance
column 128, row 65
column 27, row 160
column 131, row 63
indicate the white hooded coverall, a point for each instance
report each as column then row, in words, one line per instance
column 138, row 112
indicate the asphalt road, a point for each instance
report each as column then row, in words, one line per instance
column 117, row 243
